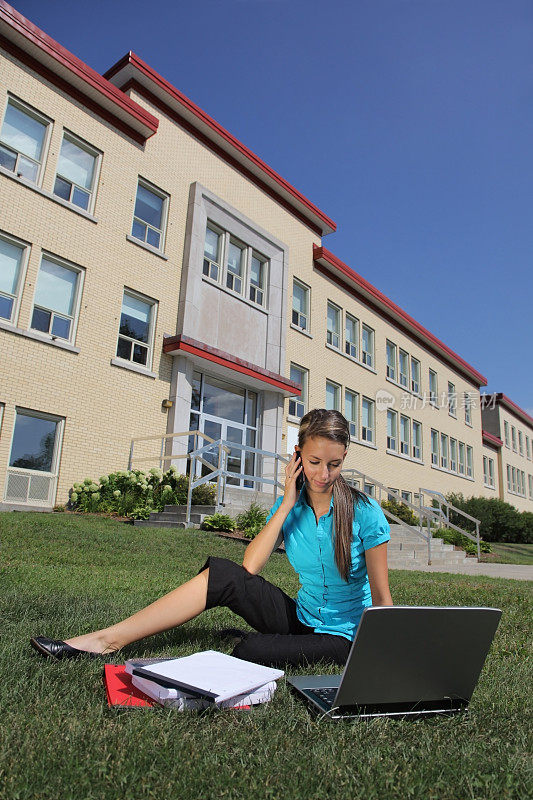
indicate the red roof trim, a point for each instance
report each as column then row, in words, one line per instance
column 187, row 344
column 219, row 131
column 389, row 309
column 490, row 438
column 14, row 20
column 503, row 400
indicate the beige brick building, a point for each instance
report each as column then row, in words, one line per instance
column 156, row 276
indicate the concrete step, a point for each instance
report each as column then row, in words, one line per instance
column 183, row 509
column 146, row 523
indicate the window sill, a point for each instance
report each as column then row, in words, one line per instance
column 301, row 330
column 292, row 418
column 39, row 337
column 410, row 391
column 363, row 443
column 116, row 362
column 54, row 198
column 237, row 296
column 469, row 424
column 404, row 457
column 488, row 486
column 449, row 472
column 351, row 358
column 148, row 247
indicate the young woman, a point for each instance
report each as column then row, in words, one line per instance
column 335, row 538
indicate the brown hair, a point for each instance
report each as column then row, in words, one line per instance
column 330, row 424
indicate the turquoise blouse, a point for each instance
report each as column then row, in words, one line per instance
column 325, row 602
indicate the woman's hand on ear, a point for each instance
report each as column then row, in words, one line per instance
column 292, row 471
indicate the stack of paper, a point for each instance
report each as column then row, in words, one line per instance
column 204, row 679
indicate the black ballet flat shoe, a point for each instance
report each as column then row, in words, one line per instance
column 55, row 648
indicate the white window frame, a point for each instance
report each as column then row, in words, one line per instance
column 258, row 292
column 469, row 461
column 367, row 356
column 491, row 473
column 352, row 423
column 97, row 155
column 509, row 484
column 506, row 434
column 453, row 454
column 452, row 400
column 521, row 443
column 298, row 404
column 151, row 331
column 208, row 265
column 513, row 439
column 351, row 348
column 368, row 433
column 232, row 277
column 150, row 187
column 435, row 447
column 406, row 496
column 333, row 336
column 461, row 458
column 528, row 448
column 405, row 426
column 444, row 450
column 298, row 317
column 433, row 391
column 530, row 481
column 468, row 408
column 392, row 436
column 227, row 279
column 417, row 440
column 415, row 381
column 61, row 262
column 26, row 248
column 403, row 361
column 337, row 394
column 392, row 355
column 44, row 120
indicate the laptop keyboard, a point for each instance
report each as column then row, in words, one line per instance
column 325, row 695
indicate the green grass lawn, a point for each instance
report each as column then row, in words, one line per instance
column 64, row 574
column 509, row 553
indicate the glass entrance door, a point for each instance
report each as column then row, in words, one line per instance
column 231, row 433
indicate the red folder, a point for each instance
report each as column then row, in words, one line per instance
column 121, row 693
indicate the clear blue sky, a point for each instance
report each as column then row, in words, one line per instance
column 409, row 122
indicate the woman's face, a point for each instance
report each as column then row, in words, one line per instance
column 322, row 462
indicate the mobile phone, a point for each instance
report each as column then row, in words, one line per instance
column 301, row 477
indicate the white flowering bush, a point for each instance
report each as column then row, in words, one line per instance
column 135, row 493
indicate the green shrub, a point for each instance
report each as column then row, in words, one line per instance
column 400, row 510
column 135, row 493
column 253, row 521
column 500, row 521
column 218, row 522
column 449, row 536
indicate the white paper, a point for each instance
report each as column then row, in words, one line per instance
column 174, row 698
column 218, row 674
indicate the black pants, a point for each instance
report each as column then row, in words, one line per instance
column 281, row 638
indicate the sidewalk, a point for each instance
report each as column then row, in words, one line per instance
column 518, row 572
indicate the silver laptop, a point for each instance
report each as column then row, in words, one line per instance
column 406, row 661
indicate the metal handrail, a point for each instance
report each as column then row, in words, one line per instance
column 424, row 516
column 450, row 507
column 161, row 457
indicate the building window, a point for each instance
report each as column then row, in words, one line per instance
column 491, row 473
column 333, row 394
column 444, row 451
column 469, row 461
column 530, row 478
column 461, row 458
column 433, row 388
column 452, row 400
column 521, row 443
column 300, row 305
column 506, row 433
column 391, row 361
column 509, row 484
column 417, row 440
column 333, row 325
column 56, row 302
column 76, row 172
column 213, row 250
column 236, row 261
column 367, row 420
column 406, row 496
column 258, row 267
column 298, row 405
column 453, row 455
column 369, row 489
column 403, row 362
column 137, row 323
column 23, row 140
column 405, row 432
column 34, row 458
column 12, row 262
column 435, row 448
column 468, row 408
column 513, row 437
column 415, row 375
column 352, row 336
column 392, row 423
column 367, row 346
column 351, row 411
column 528, row 448
column 149, row 219
column 488, row 471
